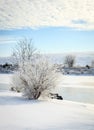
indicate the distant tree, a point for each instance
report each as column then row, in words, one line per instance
column 69, row 60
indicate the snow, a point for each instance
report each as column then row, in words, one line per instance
column 5, row 78
column 18, row 113
column 77, row 81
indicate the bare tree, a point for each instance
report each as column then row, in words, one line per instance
column 39, row 78
column 69, row 60
column 24, row 51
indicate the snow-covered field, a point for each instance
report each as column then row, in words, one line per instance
column 17, row 113
column 77, row 81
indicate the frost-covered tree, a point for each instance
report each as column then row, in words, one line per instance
column 69, row 60
column 38, row 78
column 35, row 76
column 24, row 52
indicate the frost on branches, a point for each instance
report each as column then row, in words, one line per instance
column 35, row 79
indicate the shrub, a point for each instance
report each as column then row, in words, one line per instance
column 37, row 79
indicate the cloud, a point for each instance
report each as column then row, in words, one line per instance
column 5, row 40
column 79, row 22
column 77, row 14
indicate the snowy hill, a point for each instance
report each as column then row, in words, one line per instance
column 82, row 59
column 4, row 60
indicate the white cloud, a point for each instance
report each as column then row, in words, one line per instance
column 7, row 39
column 40, row 13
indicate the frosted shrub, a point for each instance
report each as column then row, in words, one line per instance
column 35, row 78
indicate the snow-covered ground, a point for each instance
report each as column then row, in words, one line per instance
column 77, row 88
column 17, row 113
column 77, row 81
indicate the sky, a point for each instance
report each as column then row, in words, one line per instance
column 54, row 26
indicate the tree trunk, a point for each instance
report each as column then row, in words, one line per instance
column 37, row 95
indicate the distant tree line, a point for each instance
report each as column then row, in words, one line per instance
column 6, row 65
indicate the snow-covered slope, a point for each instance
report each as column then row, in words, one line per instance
column 17, row 113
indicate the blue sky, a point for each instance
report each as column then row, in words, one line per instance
column 49, row 40
column 55, row 27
